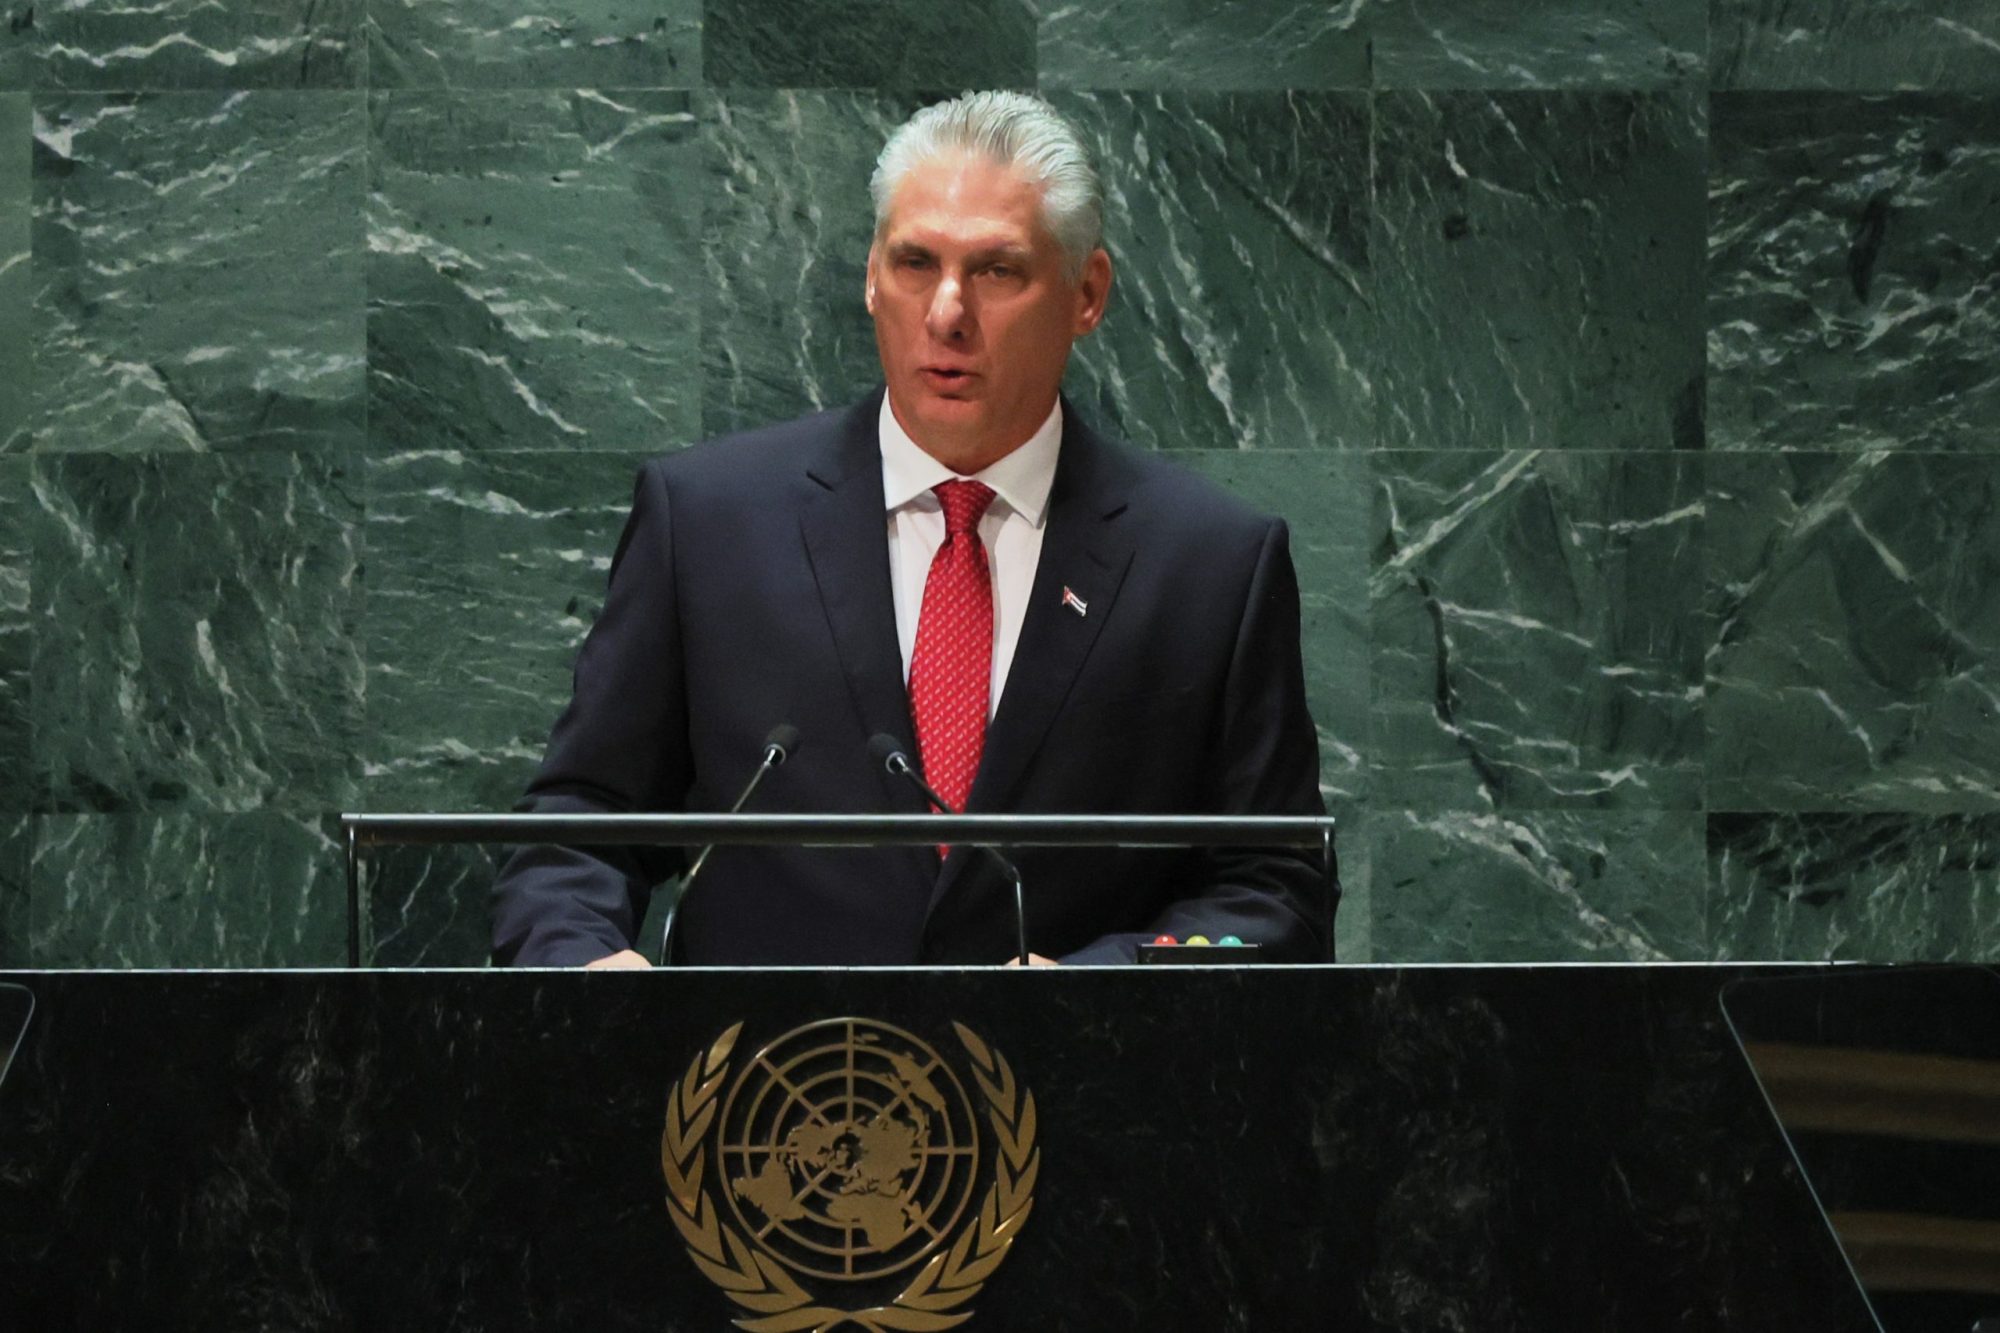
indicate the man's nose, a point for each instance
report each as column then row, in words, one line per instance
column 947, row 315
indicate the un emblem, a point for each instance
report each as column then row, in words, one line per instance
column 843, row 1153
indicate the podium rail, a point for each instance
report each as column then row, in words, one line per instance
column 997, row 831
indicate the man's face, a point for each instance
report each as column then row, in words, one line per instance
column 973, row 315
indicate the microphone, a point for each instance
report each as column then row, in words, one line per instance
column 887, row 752
column 780, row 743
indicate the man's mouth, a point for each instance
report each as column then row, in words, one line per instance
column 945, row 377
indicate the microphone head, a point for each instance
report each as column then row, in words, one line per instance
column 888, row 751
column 784, row 738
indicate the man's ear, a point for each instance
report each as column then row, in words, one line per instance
column 868, row 289
column 1093, row 291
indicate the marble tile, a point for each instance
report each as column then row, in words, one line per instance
column 187, row 891
column 429, row 906
column 21, row 44
column 17, row 837
column 567, row 44
column 485, row 571
column 1354, row 923
column 180, row 44
column 1624, row 44
column 1852, row 298
column 17, row 627
column 16, row 293
column 785, row 249
column 1856, row 658
column 194, row 645
column 1536, row 630
column 1325, row 499
column 1238, row 228
column 1186, row 44
column 1873, row 887
column 1855, row 44
column 198, row 272
column 533, row 271
column 882, row 44
column 174, row 44
column 1587, row 886
column 1537, row 262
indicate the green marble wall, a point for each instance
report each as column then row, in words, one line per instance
column 1629, row 372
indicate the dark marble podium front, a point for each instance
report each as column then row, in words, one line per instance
column 1498, row 1148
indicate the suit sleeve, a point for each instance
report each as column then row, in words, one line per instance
column 1265, row 762
column 619, row 747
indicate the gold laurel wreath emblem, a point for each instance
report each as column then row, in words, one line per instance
column 759, row 1283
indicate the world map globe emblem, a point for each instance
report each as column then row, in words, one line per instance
column 848, row 1149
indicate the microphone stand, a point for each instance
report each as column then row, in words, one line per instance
column 898, row 763
column 778, row 747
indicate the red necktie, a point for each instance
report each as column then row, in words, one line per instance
column 951, row 667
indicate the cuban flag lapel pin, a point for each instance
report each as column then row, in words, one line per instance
column 1073, row 602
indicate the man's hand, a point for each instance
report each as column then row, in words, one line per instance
column 625, row 960
column 1034, row 960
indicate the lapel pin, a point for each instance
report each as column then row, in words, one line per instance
column 1073, row 602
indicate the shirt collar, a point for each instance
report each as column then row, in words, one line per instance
column 1022, row 480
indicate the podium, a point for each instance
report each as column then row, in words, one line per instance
column 1097, row 1150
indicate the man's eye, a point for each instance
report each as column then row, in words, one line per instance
column 913, row 261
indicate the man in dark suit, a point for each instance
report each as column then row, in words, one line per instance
column 1052, row 622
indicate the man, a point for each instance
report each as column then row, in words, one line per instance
column 1049, row 621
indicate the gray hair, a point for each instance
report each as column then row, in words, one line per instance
column 1014, row 130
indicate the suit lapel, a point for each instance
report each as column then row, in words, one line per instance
column 844, row 527
column 1084, row 553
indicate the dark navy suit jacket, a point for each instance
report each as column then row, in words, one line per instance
column 752, row 587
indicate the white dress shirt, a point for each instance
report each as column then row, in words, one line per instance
column 1011, row 529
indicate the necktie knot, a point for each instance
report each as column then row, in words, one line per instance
column 964, row 502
